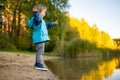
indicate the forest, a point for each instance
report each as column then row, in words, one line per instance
column 70, row 38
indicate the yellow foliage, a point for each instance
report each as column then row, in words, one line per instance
column 92, row 34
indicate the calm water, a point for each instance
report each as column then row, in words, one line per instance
column 85, row 68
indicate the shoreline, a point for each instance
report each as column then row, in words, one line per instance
column 16, row 66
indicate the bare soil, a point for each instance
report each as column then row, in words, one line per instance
column 14, row 66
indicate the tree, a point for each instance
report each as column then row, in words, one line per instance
column 17, row 12
column 91, row 34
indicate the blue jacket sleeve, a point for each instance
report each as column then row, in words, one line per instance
column 49, row 25
column 30, row 22
column 37, row 18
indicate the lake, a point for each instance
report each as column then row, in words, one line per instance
column 90, row 68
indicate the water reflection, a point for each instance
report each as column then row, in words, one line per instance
column 85, row 69
column 105, row 69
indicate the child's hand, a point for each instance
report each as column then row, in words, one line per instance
column 35, row 9
column 56, row 22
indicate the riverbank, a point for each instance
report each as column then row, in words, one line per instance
column 14, row 66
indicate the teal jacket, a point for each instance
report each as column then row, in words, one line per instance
column 40, row 28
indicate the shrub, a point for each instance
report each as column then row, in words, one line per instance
column 77, row 48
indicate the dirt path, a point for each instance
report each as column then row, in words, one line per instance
column 20, row 67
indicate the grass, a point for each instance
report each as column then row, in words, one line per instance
column 26, row 52
column 19, row 52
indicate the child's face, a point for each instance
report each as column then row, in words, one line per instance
column 42, row 13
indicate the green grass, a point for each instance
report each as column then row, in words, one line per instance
column 19, row 52
column 26, row 52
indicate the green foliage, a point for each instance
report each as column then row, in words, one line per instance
column 21, row 11
column 6, row 42
column 22, row 43
column 49, row 46
column 78, row 47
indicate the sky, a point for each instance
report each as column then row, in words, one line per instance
column 104, row 13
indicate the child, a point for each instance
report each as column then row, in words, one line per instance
column 40, row 33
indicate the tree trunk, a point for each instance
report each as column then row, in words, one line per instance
column 14, row 20
column 19, row 20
